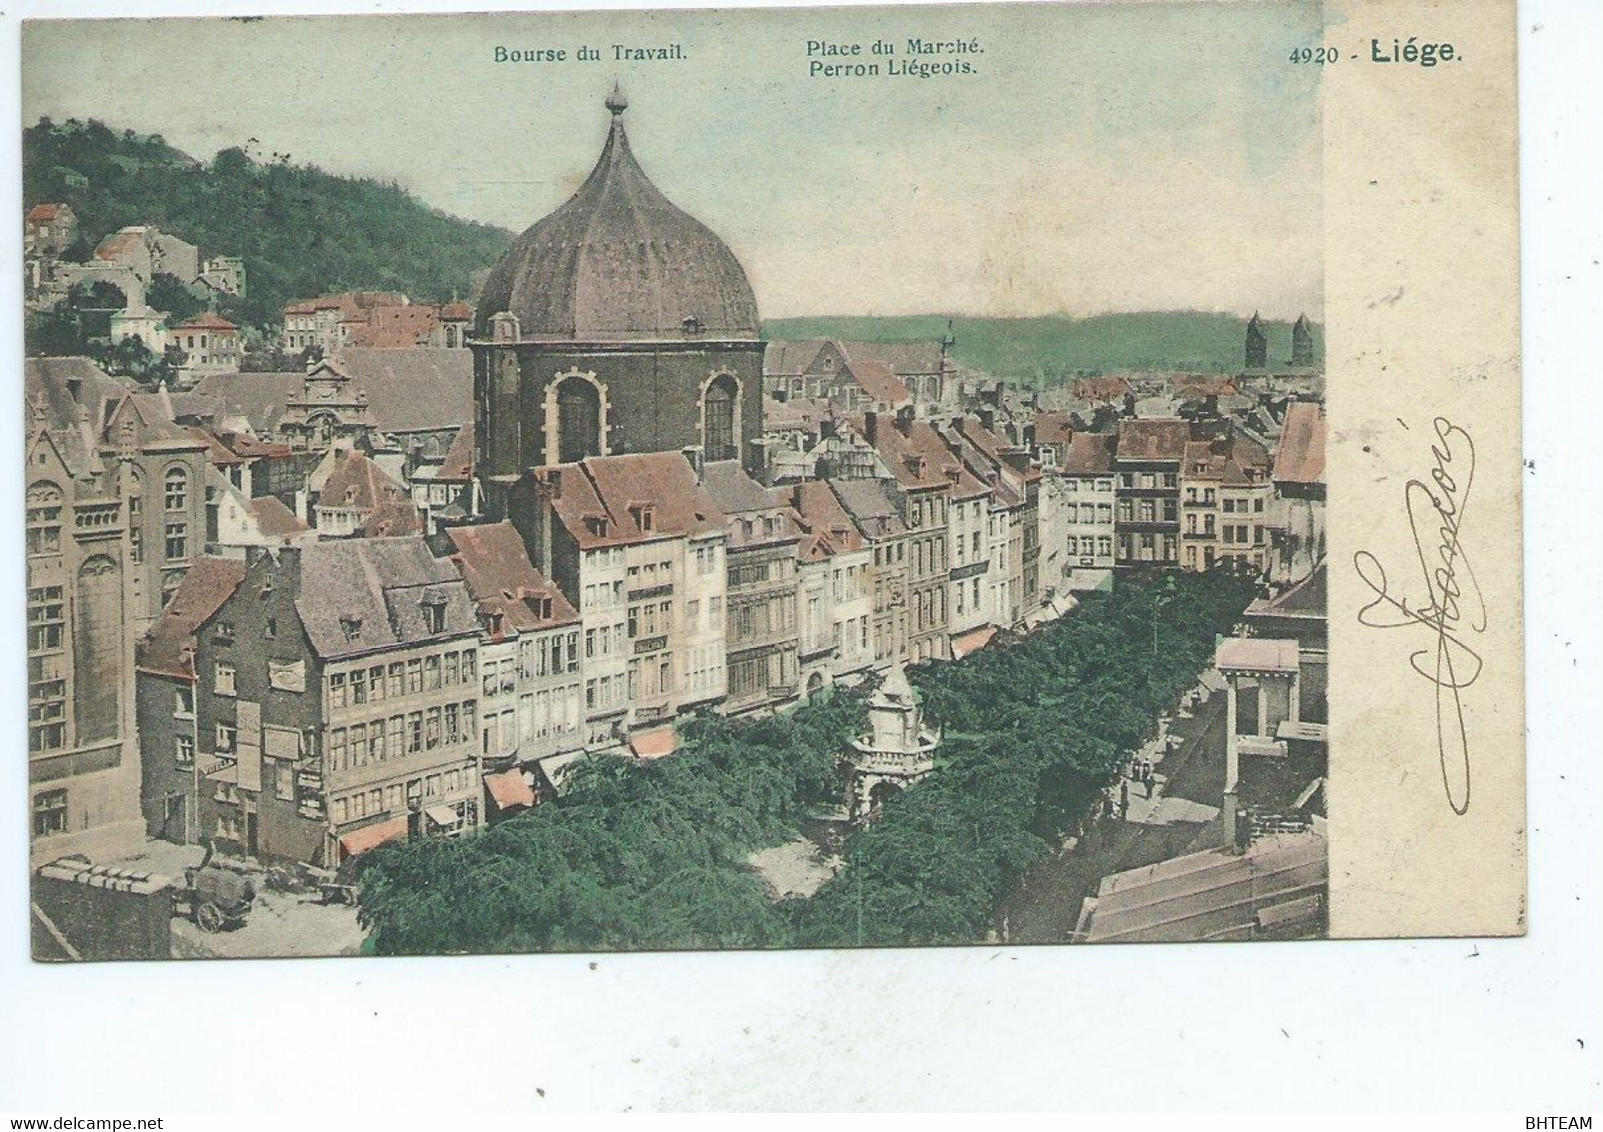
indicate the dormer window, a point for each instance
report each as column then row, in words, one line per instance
column 434, row 614
column 351, row 627
column 691, row 325
column 644, row 515
column 595, row 526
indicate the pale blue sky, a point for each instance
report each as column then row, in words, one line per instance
column 1106, row 157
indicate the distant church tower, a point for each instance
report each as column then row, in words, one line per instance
column 1257, row 344
column 617, row 324
column 1302, row 342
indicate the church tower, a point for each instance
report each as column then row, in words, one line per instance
column 1302, row 342
column 617, row 324
column 1257, row 344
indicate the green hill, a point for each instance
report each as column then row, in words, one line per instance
column 300, row 230
column 1053, row 349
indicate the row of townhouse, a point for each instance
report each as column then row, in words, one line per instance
column 1189, row 495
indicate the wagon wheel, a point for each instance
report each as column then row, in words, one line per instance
column 209, row 917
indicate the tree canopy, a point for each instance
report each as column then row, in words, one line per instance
column 301, row 231
column 651, row 855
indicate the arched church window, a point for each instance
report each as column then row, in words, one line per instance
column 720, row 422
column 175, row 490
column 578, row 420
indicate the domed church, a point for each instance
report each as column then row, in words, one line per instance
column 617, row 324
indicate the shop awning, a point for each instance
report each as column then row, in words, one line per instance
column 653, row 744
column 372, row 836
column 508, row 790
column 972, row 641
column 443, row 816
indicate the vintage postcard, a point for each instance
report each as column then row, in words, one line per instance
column 788, row 478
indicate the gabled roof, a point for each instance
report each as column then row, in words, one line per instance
column 458, row 462
column 1053, row 428
column 620, row 490
column 169, row 647
column 880, row 382
column 417, row 389
column 273, row 518
column 358, row 595
column 495, row 564
column 1161, row 440
column 732, row 489
column 43, row 213
column 868, row 504
column 1300, row 455
column 393, row 517
column 1091, row 454
column 358, row 483
column 820, row 513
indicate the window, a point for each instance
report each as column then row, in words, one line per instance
column 176, row 541
column 227, row 733
column 223, row 681
column 47, row 715
column 395, row 680
column 184, row 751
column 433, row 616
column 578, row 420
column 175, row 491
column 46, row 618
column 431, row 673
column 284, row 780
column 44, row 519
column 49, row 813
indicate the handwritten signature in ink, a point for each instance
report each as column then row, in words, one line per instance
column 1452, row 606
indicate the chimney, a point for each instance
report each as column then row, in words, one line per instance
column 987, row 418
column 871, row 428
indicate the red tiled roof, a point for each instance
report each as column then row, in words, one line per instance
column 456, row 312
column 1102, row 388
column 1204, row 385
column 1091, row 453
column 1300, row 455
column 119, row 244
column 1053, row 428
column 44, row 212
column 216, row 451
column 393, row 517
column 509, row 791
column 821, row 515
column 458, row 463
column 275, row 519
column 1153, row 440
column 359, row 483
column 610, row 488
column 502, row 580
column 394, row 327
column 880, row 382
column 169, row 647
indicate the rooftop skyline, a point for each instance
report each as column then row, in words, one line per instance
column 1138, row 174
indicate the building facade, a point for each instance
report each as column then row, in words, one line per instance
column 337, row 702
